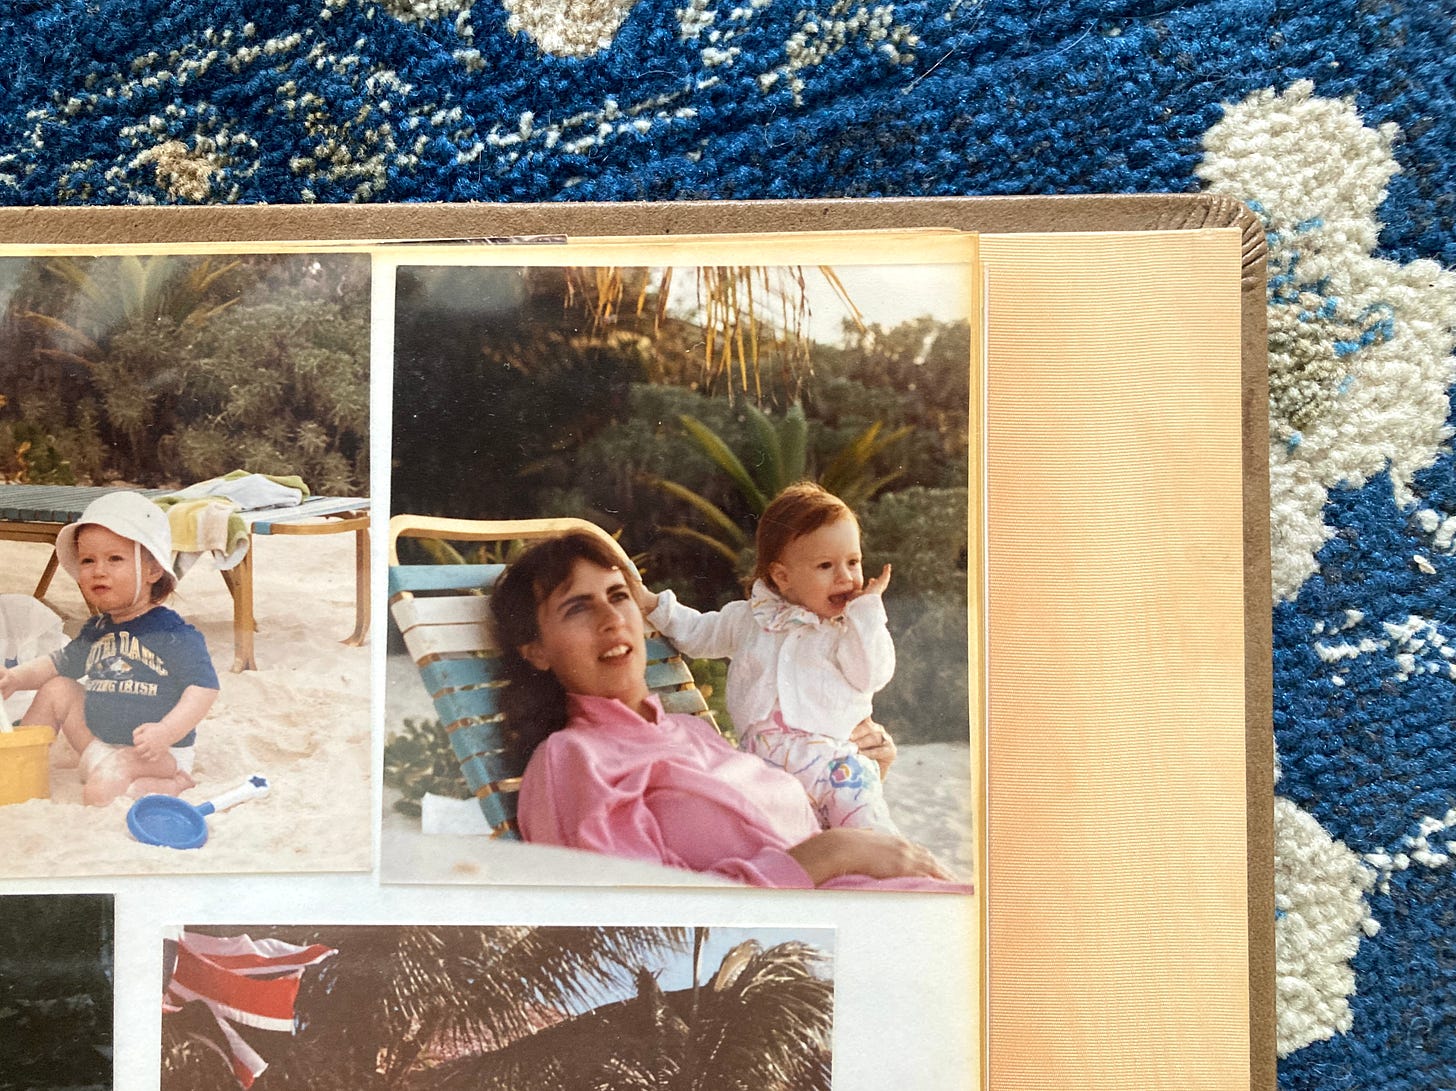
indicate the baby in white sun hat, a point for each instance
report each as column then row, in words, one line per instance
column 129, row 691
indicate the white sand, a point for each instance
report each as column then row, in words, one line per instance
column 301, row 720
column 929, row 791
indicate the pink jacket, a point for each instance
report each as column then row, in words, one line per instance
column 672, row 790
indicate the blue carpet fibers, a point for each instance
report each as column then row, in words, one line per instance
column 110, row 102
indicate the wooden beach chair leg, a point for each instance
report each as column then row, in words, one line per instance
column 46, row 576
column 239, row 580
column 361, row 588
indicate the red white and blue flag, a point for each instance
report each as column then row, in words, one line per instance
column 245, row 983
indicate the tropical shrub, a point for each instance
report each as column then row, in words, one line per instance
column 280, row 388
column 154, row 370
column 775, row 456
column 30, row 455
column 924, row 535
column 419, row 760
column 843, row 407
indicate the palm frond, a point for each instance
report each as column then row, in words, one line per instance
column 691, row 535
column 204, row 276
column 730, row 531
column 65, row 329
column 767, row 446
column 794, row 442
column 714, row 447
column 440, row 552
column 769, row 1028
column 63, row 357
column 200, row 314
column 850, row 463
column 832, row 279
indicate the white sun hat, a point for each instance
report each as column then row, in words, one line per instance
column 129, row 514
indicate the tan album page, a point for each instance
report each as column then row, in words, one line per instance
column 1118, row 934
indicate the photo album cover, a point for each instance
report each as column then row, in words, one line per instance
column 792, row 645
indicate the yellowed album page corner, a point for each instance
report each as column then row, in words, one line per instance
column 1117, row 901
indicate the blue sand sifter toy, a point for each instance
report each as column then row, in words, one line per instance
column 177, row 824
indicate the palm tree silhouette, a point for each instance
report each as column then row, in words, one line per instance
column 526, row 1007
column 762, row 1024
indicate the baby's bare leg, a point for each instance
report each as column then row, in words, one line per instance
column 125, row 773
column 61, row 703
column 173, row 785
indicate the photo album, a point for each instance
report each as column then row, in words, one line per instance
column 788, row 645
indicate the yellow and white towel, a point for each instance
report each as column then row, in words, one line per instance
column 204, row 518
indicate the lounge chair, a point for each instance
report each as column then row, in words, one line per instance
column 36, row 513
column 441, row 611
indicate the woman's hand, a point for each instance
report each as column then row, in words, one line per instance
column 874, row 742
column 877, row 855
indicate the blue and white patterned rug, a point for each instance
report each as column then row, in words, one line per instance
column 1334, row 119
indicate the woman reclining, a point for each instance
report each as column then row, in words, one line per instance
column 609, row 771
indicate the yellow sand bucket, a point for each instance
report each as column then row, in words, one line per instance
column 25, row 764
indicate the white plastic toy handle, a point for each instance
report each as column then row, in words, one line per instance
column 255, row 787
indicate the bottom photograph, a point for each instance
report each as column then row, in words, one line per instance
column 56, row 966
column 516, row 1008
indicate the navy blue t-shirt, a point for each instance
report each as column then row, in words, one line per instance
column 135, row 672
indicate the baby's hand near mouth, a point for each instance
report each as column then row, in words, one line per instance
column 875, row 586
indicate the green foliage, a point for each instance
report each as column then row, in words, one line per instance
column 418, row 760
column 498, row 385
column 280, row 388
column 774, row 458
column 917, row 373
column 850, row 475
column 843, row 407
column 711, row 676
column 113, row 293
column 612, row 466
column 34, row 456
column 155, row 370
column 923, row 533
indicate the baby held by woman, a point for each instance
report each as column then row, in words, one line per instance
column 809, row 650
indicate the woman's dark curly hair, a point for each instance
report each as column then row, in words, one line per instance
column 533, row 703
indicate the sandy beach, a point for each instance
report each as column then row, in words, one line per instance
column 929, row 791
column 301, row 720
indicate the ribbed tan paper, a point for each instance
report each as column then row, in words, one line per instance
column 1117, row 897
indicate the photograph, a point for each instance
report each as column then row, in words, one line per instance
column 56, row 984
column 496, row 1008
column 184, row 563
column 680, row 573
